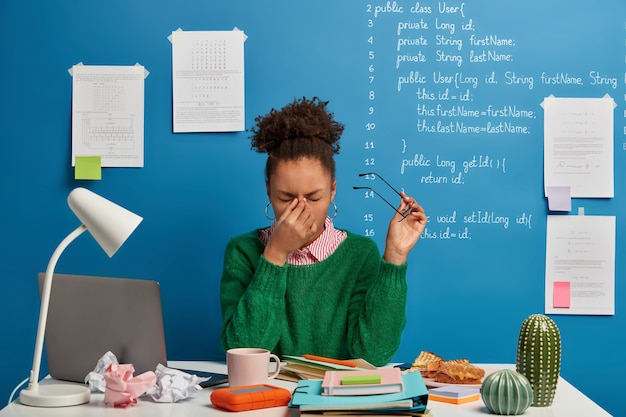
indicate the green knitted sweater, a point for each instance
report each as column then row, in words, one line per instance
column 350, row 305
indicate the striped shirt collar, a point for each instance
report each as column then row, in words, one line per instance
column 318, row 250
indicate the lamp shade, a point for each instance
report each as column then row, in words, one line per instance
column 109, row 224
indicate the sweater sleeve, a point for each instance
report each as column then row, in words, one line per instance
column 252, row 296
column 378, row 311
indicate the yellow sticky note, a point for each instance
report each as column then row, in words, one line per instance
column 87, row 168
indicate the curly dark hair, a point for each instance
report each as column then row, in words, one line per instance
column 302, row 129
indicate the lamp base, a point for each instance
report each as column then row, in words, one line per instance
column 56, row 394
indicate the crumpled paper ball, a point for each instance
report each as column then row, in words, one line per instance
column 122, row 388
column 95, row 378
column 174, row 385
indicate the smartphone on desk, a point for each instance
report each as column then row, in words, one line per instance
column 214, row 378
column 404, row 366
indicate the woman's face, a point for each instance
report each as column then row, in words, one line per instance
column 302, row 179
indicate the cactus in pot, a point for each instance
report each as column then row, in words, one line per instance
column 506, row 392
column 539, row 357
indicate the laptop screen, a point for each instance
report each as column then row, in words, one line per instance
column 89, row 316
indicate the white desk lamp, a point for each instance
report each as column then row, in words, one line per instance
column 110, row 225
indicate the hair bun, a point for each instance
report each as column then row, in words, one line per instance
column 302, row 119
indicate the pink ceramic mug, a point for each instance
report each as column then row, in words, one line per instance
column 250, row 366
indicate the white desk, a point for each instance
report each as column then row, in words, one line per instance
column 568, row 402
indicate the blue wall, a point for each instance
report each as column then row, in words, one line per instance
column 468, row 297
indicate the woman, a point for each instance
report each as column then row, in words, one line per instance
column 301, row 285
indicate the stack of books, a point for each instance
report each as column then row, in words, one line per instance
column 383, row 391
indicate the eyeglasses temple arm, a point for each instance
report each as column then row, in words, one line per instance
column 384, row 199
column 385, row 181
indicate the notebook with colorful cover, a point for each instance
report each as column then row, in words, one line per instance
column 368, row 382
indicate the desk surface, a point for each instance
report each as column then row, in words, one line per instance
column 568, row 402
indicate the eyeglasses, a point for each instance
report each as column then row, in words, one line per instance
column 404, row 213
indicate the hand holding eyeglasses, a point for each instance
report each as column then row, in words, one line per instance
column 406, row 225
column 404, row 234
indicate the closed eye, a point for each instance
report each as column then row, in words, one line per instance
column 316, row 195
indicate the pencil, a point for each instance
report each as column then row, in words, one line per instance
column 348, row 363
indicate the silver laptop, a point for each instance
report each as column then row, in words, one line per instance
column 89, row 316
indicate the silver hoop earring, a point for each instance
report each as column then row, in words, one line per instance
column 336, row 209
column 267, row 211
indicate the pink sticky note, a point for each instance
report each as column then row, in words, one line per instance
column 561, row 294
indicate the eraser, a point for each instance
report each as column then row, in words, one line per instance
column 361, row 379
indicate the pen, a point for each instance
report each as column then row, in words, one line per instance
column 350, row 364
